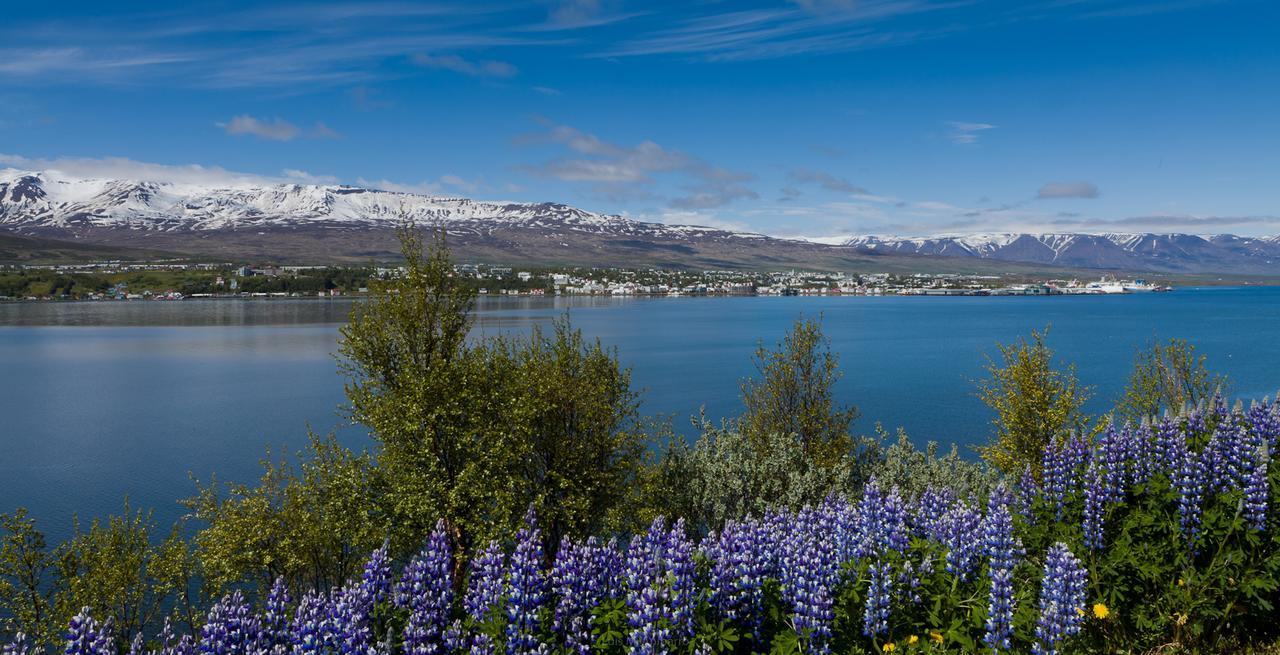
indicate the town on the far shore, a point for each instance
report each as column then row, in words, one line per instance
column 173, row 280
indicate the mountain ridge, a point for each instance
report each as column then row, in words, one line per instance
column 294, row 221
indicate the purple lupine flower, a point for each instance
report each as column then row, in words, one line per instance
column 275, row 618
column 481, row 644
column 1003, row 551
column 86, row 637
column 1145, row 460
column 312, row 632
column 963, row 524
column 927, row 518
column 350, row 622
column 1166, row 433
column 19, row 645
column 1027, row 492
column 426, row 590
column 171, row 645
column 1257, row 489
column 811, row 571
column 230, row 627
column 1095, row 496
column 678, row 552
column 527, row 589
column 1062, row 592
column 487, row 584
column 1190, row 484
column 1058, row 476
column 136, row 646
column 738, row 574
column 875, row 615
column 375, row 581
column 883, row 521
column 1114, row 455
column 582, row 576
column 648, row 592
column 1264, row 421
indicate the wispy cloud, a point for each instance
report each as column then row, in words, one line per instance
column 1058, row 190
column 616, row 170
column 131, row 169
column 826, row 181
column 457, row 64
column 964, row 133
column 275, row 129
column 445, row 184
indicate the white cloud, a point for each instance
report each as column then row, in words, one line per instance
column 273, row 130
column 466, row 67
column 827, row 181
column 1057, row 190
column 276, row 129
column 616, row 170
column 965, row 133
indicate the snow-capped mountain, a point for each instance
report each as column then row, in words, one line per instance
column 309, row 222
column 1172, row 253
column 52, row 200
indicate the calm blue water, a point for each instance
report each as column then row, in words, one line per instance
column 103, row 400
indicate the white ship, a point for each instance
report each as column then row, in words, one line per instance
column 1112, row 285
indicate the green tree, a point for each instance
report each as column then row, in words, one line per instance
column 26, row 568
column 1033, row 403
column 473, row 432
column 578, row 426
column 795, row 395
column 313, row 524
column 121, row 570
column 1167, row 376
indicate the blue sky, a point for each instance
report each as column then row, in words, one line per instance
column 815, row 118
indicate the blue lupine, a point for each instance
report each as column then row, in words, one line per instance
column 171, row 645
column 1095, row 495
column 230, row 627
column 487, row 583
column 654, row 589
column 526, row 589
column 927, row 519
column 963, row 524
column 1166, row 433
column 582, row 576
column 275, row 617
column 738, row 574
column 350, row 620
column 426, row 590
column 1062, row 600
column 1028, row 491
column 1264, row 420
column 1189, row 481
column 375, row 581
column 1003, row 551
column 1114, row 460
column 86, row 637
column 875, row 615
column 811, row 570
column 311, row 631
column 1257, row 488
column 19, row 645
column 678, row 553
column 136, row 646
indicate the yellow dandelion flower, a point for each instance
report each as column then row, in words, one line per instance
column 1080, row 611
column 889, row 647
column 912, row 640
column 1180, row 582
column 935, row 636
column 1100, row 611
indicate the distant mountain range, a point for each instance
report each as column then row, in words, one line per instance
column 1164, row 253
column 314, row 223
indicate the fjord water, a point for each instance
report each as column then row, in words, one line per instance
column 103, row 400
